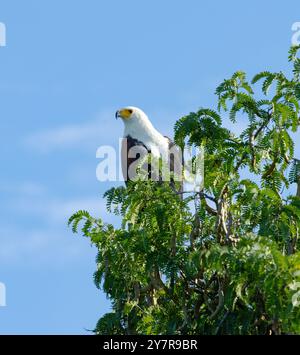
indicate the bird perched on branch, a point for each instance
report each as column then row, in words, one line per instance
column 141, row 138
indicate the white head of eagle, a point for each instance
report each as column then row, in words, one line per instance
column 139, row 131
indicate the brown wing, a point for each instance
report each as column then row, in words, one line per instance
column 176, row 163
column 127, row 143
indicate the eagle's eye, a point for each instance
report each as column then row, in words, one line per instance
column 130, row 111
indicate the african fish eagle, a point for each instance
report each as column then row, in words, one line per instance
column 139, row 132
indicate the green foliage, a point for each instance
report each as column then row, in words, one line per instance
column 231, row 264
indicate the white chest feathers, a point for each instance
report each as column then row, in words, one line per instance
column 143, row 131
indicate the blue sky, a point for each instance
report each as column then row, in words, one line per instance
column 68, row 65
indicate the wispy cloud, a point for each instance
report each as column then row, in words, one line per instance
column 46, row 237
column 56, row 210
column 93, row 132
column 25, row 188
column 16, row 244
column 35, row 247
column 104, row 129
